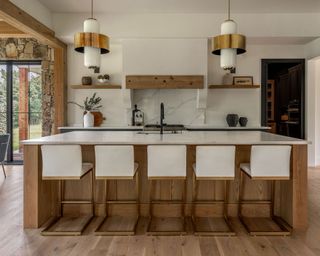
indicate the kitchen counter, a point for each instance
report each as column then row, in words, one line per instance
column 40, row 196
column 185, row 138
column 205, row 127
column 100, row 128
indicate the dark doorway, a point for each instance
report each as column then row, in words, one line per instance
column 283, row 96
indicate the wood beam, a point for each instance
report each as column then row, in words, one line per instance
column 6, row 30
column 60, row 88
column 18, row 18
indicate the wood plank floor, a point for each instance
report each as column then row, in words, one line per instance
column 16, row 241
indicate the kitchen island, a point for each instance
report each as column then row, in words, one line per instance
column 41, row 196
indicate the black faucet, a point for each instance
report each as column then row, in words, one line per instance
column 161, row 117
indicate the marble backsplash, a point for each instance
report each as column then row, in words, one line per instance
column 180, row 106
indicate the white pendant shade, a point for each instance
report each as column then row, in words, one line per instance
column 91, row 26
column 91, row 54
column 91, row 57
column 228, row 56
column 228, row 27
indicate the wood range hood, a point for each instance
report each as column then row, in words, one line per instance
column 164, row 82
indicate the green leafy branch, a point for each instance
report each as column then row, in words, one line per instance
column 89, row 104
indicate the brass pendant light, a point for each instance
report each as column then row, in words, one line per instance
column 229, row 44
column 91, row 42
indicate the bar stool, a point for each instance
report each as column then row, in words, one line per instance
column 61, row 163
column 117, row 163
column 214, row 163
column 167, row 163
column 266, row 163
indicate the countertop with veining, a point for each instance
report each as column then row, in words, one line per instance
column 184, row 138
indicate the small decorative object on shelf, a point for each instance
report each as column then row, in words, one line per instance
column 88, row 119
column 86, row 80
column 232, row 120
column 243, row 121
column 91, row 116
column 227, row 79
column 104, row 79
column 243, row 80
column 137, row 117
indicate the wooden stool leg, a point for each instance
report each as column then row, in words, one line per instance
column 60, row 197
column 272, row 198
column 67, row 225
column 241, row 189
column 267, row 225
column 93, row 193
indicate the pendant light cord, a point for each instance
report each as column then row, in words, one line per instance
column 228, row 9
column 91, row 9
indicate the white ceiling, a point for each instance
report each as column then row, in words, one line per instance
column 184, row 6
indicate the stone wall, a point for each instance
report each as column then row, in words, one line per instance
column 31, row 49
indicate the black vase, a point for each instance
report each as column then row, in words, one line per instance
column 232, row 120
column 86, row 80
column 243, row 121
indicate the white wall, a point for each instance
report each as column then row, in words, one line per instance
column 191, row 25
column 313, row 111
column 241, row 101
column 111, row 64
column 36, row 9
column 312, row 49
column 175, row 56
column 167, row 57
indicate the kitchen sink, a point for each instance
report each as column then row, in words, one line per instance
column 158, row 132
column 171, row 128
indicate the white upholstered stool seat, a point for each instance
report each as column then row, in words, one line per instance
column 167, row 162
column 62, row 163
column 266, row 163
column 117, row 163
column 216, row 163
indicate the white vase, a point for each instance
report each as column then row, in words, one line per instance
column 88, row 119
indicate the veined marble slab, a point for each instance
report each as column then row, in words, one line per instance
column 184, row 138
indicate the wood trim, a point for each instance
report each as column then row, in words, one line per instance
column 164, row 82
column 166, row 178
column 62, row 178
column 98, row 86
column 214, row 178
column 233, row 86
column 7, row 30
column 265, row 177
column 115, row 177
column 60, row 88
column 299, row 165
column 18, row 18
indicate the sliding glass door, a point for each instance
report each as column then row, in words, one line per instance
column 20, row 106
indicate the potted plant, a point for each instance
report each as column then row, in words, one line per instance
column 91, row 106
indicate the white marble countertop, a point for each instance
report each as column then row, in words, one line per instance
column 185, row 138
column 107, row 127
column 214, row 127
column 202, row 126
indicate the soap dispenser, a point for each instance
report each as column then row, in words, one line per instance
column 137, row 117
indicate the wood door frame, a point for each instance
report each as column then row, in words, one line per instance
column 18, row 18
column 264, row 80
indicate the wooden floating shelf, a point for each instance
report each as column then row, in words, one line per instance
column 96, row 86
column 165, row 82
column 233, row 86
